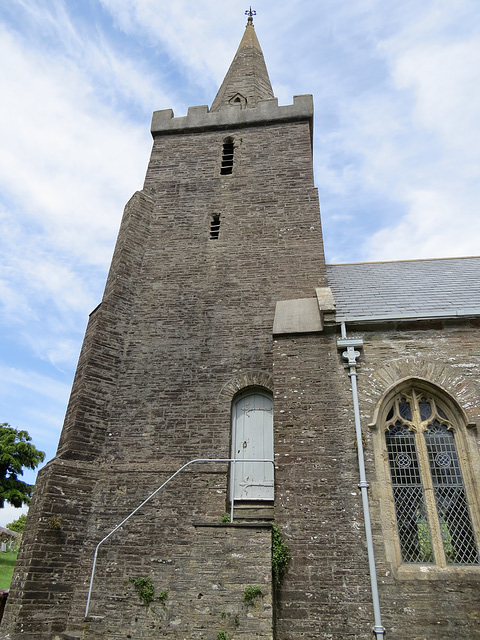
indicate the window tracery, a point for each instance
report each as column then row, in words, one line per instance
column 434, row 523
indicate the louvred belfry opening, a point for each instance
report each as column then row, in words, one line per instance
column 227, row 157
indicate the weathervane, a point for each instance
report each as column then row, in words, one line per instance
column 250, row 15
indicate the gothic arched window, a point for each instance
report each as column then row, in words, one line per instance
column 434, row 522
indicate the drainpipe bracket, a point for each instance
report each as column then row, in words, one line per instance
column 349, row 342
column 363, row 485
column 351, row 356
column 379, row 629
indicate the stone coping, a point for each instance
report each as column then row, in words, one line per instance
column 235, row 525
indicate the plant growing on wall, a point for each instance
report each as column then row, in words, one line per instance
column 146, row 590
column 251, row 593
column 54, row 523
column 280, row 556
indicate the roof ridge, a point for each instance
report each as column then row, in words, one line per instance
column 345, row 264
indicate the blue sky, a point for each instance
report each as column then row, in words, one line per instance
column 397, row 145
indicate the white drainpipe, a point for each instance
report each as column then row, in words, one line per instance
column 351, row 355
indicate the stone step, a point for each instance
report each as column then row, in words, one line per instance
column 253, row 512
column 69, row 635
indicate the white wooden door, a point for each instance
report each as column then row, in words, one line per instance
column 252, row 438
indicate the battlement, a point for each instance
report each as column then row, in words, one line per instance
column 200, row 118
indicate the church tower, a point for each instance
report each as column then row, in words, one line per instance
column 259, row 445
column 177, row 365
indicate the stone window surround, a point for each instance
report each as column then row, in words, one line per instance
column 382, row 489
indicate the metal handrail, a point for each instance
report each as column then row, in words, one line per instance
column 118, row 526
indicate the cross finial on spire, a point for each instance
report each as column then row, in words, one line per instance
column 250, row 15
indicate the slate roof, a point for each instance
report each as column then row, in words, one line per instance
column 446, row 287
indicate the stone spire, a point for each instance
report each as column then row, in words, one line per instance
column 247, row 80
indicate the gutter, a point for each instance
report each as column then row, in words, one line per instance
column 473, row 312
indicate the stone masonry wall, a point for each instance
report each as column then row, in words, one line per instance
column 205, row 597
column 326, row 592
column 182, row 317
column 428, row 605
column 184, row 320
column 47, row 567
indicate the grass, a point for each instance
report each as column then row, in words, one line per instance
column 7, row 563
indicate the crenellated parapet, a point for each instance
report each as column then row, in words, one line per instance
column 201, row 119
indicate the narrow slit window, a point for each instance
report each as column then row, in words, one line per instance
column 215, row 228
column 227, row 157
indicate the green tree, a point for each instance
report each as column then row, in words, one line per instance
column 18, row 525
column 16, row 453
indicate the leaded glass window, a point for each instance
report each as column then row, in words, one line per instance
column 433, row 517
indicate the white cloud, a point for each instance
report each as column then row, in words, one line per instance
column 69, row 160
column 433, row 166
column 188, row 31
column 446, row 82
column 42, row 294
column 34, row 402
column 63, row 159
column 13, row 378
column 430, row 229
column 9, row 514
